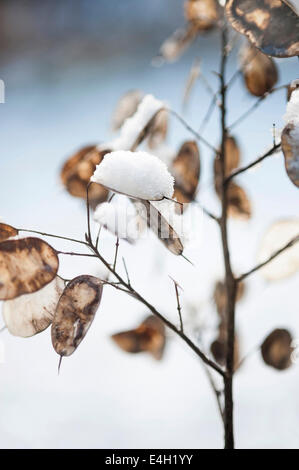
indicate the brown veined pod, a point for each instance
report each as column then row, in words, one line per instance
column 290, row 148
column 186, row 172
column 232, row 160
column 277, row 349
column 219, row 297
column 26, row 265
column 149, row 337
column 75, row 312
column 218, row 350
column 239, row 206
column 202, row 14
column 270, row 25
column 259, row 71
column 78, row 169
column 7, row 231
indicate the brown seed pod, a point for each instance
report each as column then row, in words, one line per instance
column 174, row 46
column 7, row 231
column 78, row 169
column 218, row 350
column 259, row 71
column 159, row 225
column 26, row 265
column 277, row 349
column 158, row 130
column 125, row 108
column 202, row 14
column 186, row 171
column 239, row 206
column 290, row 148
column 30, row 314
column 232, row 160
column 219, row 297
column 147, row 337
column 270, row 25
column 75, row 312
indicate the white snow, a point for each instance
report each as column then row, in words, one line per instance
column 292, row 113
column 118, row 219
column 139, row 175
column 134, row 125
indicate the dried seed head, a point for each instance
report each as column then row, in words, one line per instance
column 7, row 231
column 277, row 349
column 186, row 171
column 26, row 265
column 78, row 169
column 202, row 14
column 259, row 71
column 30, row 314
column 270, row 25
column 147, row 337
column 75, row 312
column 290, row 148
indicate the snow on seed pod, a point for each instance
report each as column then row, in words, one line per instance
column 270, row 25
column 186, row 171
column 75, row 312
column 149, row 337
column 26, row 265
column 7, row 231
column 30, row 314
column 126, row 106
column 259, row 71
column 294, row 85
column 277, row 349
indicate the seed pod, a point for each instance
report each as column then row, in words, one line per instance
column 157, row 132
column 218, row 350
column 278, row 235
column 147, row 337
column 125, row 108
column 277, row 349
column 77, row 171
column 290, row 148
column 232, row 160
column 30, row 314
column 75, row 312
column 26, row 265
column 7, row 231
column 239, row 206
column 174, row 46
column 259, row 71
column 186, row 171
column 219, row 297
column 270, row 25
column 202, row 14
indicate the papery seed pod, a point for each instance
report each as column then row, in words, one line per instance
column 125, row 108
column 26, row 265
column 202, row 14
column 290, row 148
column 259, row 71
column 232, row 160
column 294, row 85
column 191, row 80
column 174, row 46
column 218, row 350
column 270, row 25
column 78, row 169
column 30, row 314
column 239, row 206
column 186, row 171
column 147, row 337
column 219, row 296
column 278, row 235
column 75, row 312
column 7, row 231
column 277, row 349
column 158, row 130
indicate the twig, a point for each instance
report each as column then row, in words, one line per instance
column 116, row 252
column 178, row 304
column 98, row 235
column 127, row 274
column 71, row 253
column 88, row 211
column 217, row 392
column 237, row 172
column 190, row 129
column 51, row 235
column 272, row 257
column 208, row 114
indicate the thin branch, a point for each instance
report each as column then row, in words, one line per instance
column 51, row 235
column 207, row 212
column 126, row 269
column 116, row 252
column 217, row 392
column 176, row 286
column 208, row 114
column 272, row 257
column 190, row 129
column 71, row 253
column 237, row 172
column 88, row 211
column 98, row 236
column 254, row 106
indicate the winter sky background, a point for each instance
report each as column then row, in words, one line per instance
column 64, row 68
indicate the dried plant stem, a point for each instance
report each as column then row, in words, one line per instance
column 271, row 258
column 274, row 149
column 179, row 309
column 44, row 234
column 216, row 391
column 230, row 283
